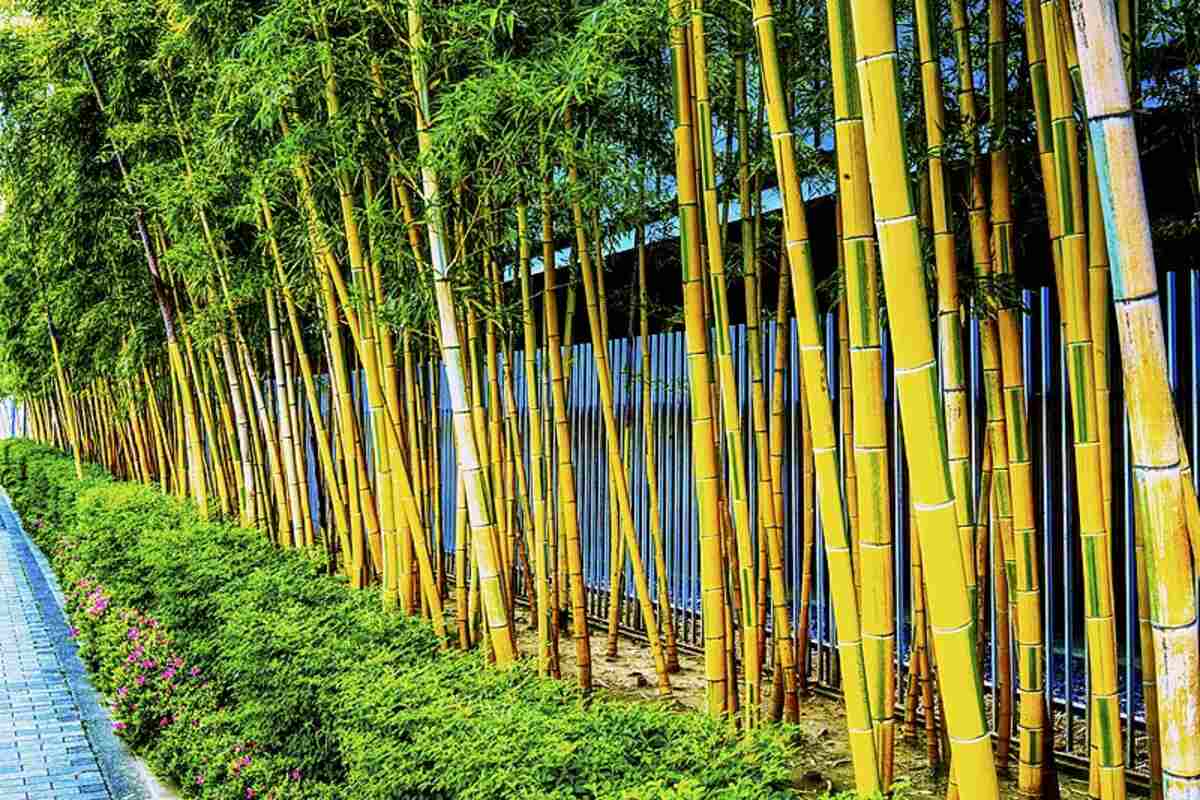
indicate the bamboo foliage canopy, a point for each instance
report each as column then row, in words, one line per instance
column 287, row 257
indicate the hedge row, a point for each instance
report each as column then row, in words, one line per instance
column 242, row 671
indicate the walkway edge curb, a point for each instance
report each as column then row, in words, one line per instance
column 125, row 775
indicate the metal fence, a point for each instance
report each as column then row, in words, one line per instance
column 1045, row 382
column 12, row 419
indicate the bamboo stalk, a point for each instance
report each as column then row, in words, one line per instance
column 833, row 515
column 1153, row 432
column 665, row 611
column 734, row 440
column 495, row 608
column 568, row 509
column 536, row 455
column 704, row 460
column 1095, row 538
column 951, row 615
column 870, row 449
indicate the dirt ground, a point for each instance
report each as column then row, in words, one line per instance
column 824, row 755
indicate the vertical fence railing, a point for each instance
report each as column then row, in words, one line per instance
column 1045, row 380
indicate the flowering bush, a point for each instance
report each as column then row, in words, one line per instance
column 155, row 693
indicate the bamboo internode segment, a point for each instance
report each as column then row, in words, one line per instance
column 951, row 613
column 812, row 356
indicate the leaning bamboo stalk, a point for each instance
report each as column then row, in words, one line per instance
column 209, row 431
column 536, row 454
column 666, row 612
column 495, row 608
column 612, row 441
column 324, row 453
column 949, row 319
column 228, row 427
column 704, row 463
column 845, row 430
column 195, row 471
column 951, row 614
column 1154, row 436
column 770, row 512
column 291, row 471
column 568, row 508
column 64, row 389
column 833, row 515
column 775, row 448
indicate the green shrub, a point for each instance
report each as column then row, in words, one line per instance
column 304, row 688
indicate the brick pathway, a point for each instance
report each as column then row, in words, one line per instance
column 45, row 751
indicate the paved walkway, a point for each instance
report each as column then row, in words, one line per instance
column 56, row 740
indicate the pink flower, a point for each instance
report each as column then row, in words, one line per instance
column 194, row 672
column 147, row 664
column 250, row 793
column 72, row 632
column 168, row 673
column 199, row 780
column 133, row 633
column 140, row 680
column 119, row 726
column 124, row 690
column 294, row 774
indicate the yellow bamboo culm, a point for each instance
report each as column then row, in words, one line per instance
column 619, row 477
column 540, row 576
column 949, row 318
column 867, row 775
column 712, row 583
column 1023, row 579
column 737, row 495
column 64, row 390
column 951, row 614
column 768, row 484
column 870, row 447
column 1095, row 539
column 487, row 560
column 1159, row 501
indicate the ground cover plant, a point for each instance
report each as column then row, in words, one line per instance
column 241, row 670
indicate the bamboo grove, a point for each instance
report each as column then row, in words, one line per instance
column 271, row 255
